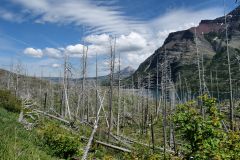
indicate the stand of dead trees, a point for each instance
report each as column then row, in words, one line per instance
column 130, row 111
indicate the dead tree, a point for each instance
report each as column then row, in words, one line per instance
column 152, row 133
column 96, row 106
column 217, row 85
column 111, row 76
column 164, row 97
column 94, row 129
column 65, row 87
column 133, row 102
column 168, row 97
column 231, row 109
column 157, row 96
column 18, row 75
column 119, row 94
column 198, row 64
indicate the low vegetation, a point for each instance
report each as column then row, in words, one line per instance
column 9, row 101
column 204, row 137
column 59, row 141
column 16, row 142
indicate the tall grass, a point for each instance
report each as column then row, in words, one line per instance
column 16, row 143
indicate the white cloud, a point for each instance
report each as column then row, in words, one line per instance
column 53, row 52
column 124, row 43
column 33, row 52
column 101, row 39
column 10, row 16
column 132, row 42
column 136, row 58
column 94, row 15
column 180, row 19
column 55, row 65
column 74, row 49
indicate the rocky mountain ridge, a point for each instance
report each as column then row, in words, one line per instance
column 179, row 49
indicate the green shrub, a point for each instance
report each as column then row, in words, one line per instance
column 59, row 141
column 204, row 137
column 143, row 153
column 9, row 101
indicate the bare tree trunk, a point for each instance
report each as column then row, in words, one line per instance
column 143, row 111
column 180, row 86
column 164, row 123
column 96, row 107
column 45, row 101
column 65, row 86
column 231, row 114
column 164, row 95
column 198, row 64
column 112, row 63
column 84, row 65
column 147, row 107
column 157, row 96
column 217, row 86
column 211, row 83
column 152, row 133
column 133, row 102
column 119, row 96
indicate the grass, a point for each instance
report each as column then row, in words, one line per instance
column 16, row 142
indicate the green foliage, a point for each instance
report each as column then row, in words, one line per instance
column 204, row 136
column 9, row 101
column 143, row 153
column 231, row 145
column 59, row 141
column 16, row 142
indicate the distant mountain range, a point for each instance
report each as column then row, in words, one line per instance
column 124, row 73
column 180, row 50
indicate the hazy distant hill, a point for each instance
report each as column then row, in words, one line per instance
column 124, row 73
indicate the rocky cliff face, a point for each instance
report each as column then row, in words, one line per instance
column 180, row 49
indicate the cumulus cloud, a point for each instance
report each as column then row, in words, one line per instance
column 101, row 39
column 53, row 52
column 124, row 43
column 132, row 42
column 75, row 49
column 55, row 65
column 33, row 52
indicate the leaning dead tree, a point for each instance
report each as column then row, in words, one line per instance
column 101, row 99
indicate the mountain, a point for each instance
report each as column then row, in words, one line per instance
column 124, row 73
column 179, row 49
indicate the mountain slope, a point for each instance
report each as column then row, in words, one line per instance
column 180, row 50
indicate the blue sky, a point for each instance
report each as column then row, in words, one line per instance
column 38, row 33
